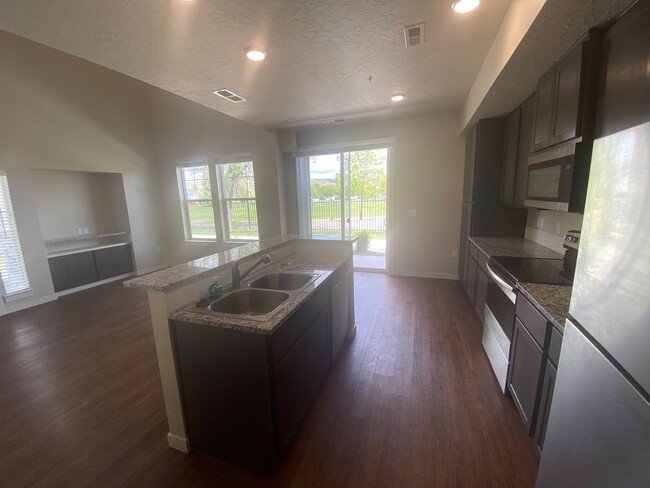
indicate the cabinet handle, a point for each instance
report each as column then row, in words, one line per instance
column 508, row 289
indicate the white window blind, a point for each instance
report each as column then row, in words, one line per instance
column 12, row 264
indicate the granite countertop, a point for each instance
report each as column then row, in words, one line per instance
column 184, row 274
column 515, row 247
column 552, row 300
column 322, row 264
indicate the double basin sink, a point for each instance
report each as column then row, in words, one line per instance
column 261, row 298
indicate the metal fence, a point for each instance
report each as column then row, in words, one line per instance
column 361, row 215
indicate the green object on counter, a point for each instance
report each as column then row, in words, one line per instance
column 215, row 289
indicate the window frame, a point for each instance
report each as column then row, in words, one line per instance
column 221, row 161
column 27, row 290
column 219, row 208
column 187, row 223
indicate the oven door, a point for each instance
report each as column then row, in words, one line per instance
column 499, row 318
column 549, row 179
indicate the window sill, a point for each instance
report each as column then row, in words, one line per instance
column 14, row 297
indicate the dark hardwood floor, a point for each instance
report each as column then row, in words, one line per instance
column 411, row 402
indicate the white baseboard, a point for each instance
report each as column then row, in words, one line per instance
column 27, row 303
column 436, row 276
column 179, row 443
column 93, row 285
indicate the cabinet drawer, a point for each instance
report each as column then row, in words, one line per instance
column 473, row 250
column 554, row 346
column 532, row 320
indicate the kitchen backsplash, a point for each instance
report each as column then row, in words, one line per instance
column 547, row 227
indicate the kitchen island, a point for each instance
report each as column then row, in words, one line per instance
column 173, row 292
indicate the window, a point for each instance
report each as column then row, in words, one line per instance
column 12, row 265
column 218, row 200
column 238, row 197
column 196, row 197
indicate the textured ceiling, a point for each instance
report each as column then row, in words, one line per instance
column 321, row 52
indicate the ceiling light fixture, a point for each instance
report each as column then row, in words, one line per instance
column 398, row 97
column 464, row 6
column 255, row 53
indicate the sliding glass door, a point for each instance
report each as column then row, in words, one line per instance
column 347, row 195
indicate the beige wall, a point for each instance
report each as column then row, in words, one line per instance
column 68, row 200
column 59, row 112
column 185, row 130
column 428, row 176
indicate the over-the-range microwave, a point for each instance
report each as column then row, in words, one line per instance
column 549, row 178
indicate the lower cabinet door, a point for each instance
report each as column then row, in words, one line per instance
column 72, row 270
column 524, row 374
column 481, row 293
column 318, row 350
column 340, row 313
column 548, row 385
column 291, row 395
column 113, row 261
column 472, row 266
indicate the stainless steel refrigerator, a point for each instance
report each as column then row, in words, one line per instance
column 598, row 431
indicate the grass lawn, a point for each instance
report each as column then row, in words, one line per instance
column 202, row 220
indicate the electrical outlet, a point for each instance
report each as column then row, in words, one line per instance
column 85, row 230
column 80, row 231
column 412, row 213
column 454, row 253
column 558, row 228
column 540, row 222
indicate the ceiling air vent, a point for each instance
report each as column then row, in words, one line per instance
column 332, row 121
column 414, row 34
column 228, row 95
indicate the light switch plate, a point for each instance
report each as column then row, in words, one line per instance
column 412, row 213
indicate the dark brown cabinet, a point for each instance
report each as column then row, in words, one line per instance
column 625, row 89
column 524, row 373
column 82, row 268
column 475, row 280
column 566, row 96
column 245, row 394
column 548, row 385
column 72, row 270
column 113, row 261
column 481, row 292
column 544, row 105
column 291, row 393
column 526, row 126
column 483, row 214
column 534, row 356
column 509, row 170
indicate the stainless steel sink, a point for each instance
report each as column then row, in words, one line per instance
column 249, row 303
column 282, row 281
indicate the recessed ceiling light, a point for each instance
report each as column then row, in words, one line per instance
column 398, row 97
column 255, row 53
column 464, row 6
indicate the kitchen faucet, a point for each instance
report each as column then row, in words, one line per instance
column 237, row 277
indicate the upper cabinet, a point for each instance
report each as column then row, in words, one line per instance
column 624, row 99
column 519, row 138
column 565, row 99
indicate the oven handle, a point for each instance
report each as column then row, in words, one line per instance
column 510, row 292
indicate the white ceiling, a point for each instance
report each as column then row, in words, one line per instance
column 321, row 52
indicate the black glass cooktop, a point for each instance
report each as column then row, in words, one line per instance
column 534, row 270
